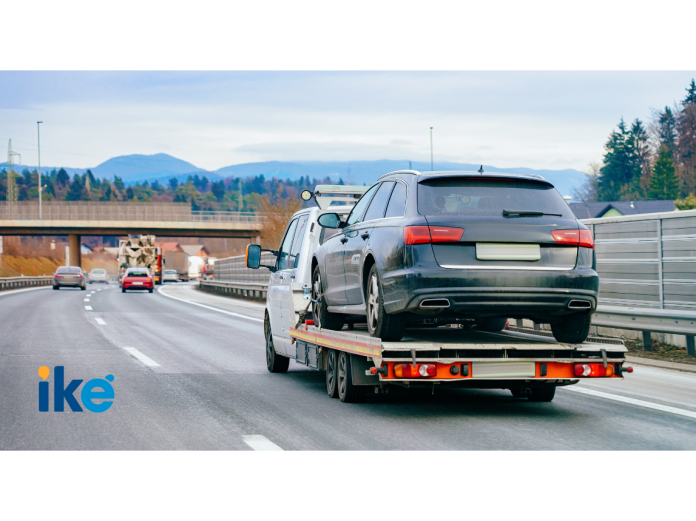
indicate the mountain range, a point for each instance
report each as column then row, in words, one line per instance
column 162, row 167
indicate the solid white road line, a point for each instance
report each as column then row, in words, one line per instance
column 144, row 359
column 88, row 308
column 100, row 321
column 633, row 401
column 210, row 307
column 258, row 442
column 11, row 291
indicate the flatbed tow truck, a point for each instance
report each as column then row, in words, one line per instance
column 530, row 363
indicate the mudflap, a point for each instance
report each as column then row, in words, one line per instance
column 360, row 364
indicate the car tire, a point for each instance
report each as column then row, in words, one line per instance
column 83, row 288
column 572, row 329
column 542, row 394
column 381, row 324
column 347, row 392
column 322, row 317
column 274, row 362
column 332, row 373
column 56, row 288
column 150, row 290
column 491, row 324
column 123, row 290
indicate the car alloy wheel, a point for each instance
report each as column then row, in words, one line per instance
column 373, row 303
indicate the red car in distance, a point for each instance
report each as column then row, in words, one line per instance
column 137, row 278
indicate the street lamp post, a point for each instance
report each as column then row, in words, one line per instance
column 38, row 133
column 431, row 149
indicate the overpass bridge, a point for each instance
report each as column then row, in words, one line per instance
column 79, row 218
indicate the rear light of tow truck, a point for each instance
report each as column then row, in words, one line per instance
column 415, row 371
column 590, row 370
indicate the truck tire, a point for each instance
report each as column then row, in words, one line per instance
column 572, row 329
column 491, row 324
column 322, row 317
column 332, row 373
column 542, row 394
column 347, row 392
column 520, row 393
column 274, row 362
column 380, row 324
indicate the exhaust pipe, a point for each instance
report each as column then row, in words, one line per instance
column 579, row 304
column 434, row 303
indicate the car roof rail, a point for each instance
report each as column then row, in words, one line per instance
column 410, row 172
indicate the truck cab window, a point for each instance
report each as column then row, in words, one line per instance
column 297, row 243
column 284, row 252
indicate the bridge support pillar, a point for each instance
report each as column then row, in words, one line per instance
column 75, row 241
column 257, row 239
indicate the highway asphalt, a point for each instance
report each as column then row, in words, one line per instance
column 189, row 373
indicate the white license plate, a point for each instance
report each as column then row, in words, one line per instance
column 503, row 252
column 137, row 284
column 502, row 369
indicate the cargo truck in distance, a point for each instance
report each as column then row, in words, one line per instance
column 434, row 352
column 179, row 261
column 140, row 251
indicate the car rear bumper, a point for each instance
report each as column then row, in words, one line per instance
column 130, row 286
column 481, row 293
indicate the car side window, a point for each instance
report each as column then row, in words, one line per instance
column 359, row 209
column 397, row 203
column 379, row 202
column 284, row 251
column 297, row 243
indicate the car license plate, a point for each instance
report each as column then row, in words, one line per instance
column 137, row 284
column 502, row 369
column 498, row 251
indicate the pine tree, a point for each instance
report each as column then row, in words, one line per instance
column 664, row 184
column 621, row 165
column 62, row 177
column 118, row 183
column 75, row 192
column 690, row 93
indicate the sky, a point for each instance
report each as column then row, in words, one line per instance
column 549, row 120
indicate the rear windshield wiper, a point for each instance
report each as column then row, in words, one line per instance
column 509, row 213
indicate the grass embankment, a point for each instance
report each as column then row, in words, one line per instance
column 29, row 266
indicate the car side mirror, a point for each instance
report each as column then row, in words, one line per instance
column 253, row 256
column 330, row 220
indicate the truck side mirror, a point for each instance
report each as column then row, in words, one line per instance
column 253, row 256
column 330, row 220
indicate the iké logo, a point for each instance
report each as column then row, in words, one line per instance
column 96, row 389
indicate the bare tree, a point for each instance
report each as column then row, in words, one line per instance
column 587, row 193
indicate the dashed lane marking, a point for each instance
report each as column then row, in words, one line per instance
column 88, row 308
column 100, row 321
column 210, row 307
column 633, row 401
column 258, row 442
column 143, row 358
column 86, row 300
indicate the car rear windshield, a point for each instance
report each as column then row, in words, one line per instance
column 488, row 197
column 98, row 272
column 170, row 272
column 137, row 273
column 69, row 269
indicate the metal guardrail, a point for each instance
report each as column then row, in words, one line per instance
column 24, row 282
column 119, row 211
column 240, row 289
column 233, row 269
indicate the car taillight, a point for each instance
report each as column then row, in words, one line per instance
column 574, row 237
column 57, row 276
column 79, row 276
column 428, row 234
column 415, row 371
column 590, row 370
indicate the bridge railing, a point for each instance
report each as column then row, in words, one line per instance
column 119, row 211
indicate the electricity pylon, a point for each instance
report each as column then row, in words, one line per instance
column 11, row 184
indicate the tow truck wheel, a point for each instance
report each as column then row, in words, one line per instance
column 572, row 329
column 332, row 373
column 347, row 392
column 542, row 394
column 380, row 324
column 322, row 317
column 520, row 393
column 275, row 362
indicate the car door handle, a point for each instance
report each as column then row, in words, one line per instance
column 344, row 240
column 365, row 236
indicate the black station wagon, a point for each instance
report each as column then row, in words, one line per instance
column 457, row 246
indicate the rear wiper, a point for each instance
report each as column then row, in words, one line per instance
column 508, row 213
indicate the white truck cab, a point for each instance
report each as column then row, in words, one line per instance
column 290, row 280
